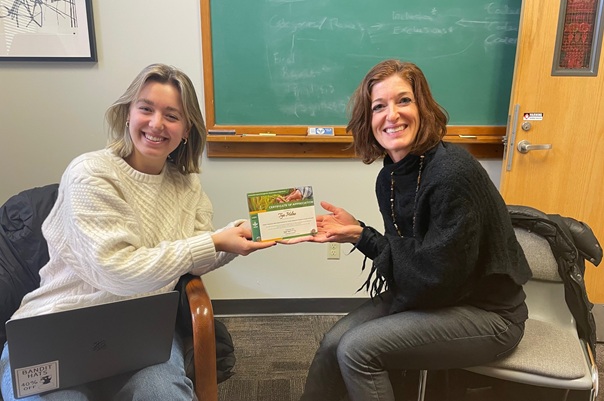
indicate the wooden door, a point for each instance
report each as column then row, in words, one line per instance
column 566, row 112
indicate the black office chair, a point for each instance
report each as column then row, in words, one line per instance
column 23, row 251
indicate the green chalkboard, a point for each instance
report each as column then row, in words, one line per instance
column 296, row 62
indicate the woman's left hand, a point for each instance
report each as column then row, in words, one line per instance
column 238, row 240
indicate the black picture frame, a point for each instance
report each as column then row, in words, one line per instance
column 47, row 30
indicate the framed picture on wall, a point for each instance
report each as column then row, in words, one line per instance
column 47, row 30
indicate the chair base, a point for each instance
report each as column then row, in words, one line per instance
column 461, row 385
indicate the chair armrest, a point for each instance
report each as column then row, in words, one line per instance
column 204, row 341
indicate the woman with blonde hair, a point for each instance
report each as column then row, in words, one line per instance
column 129, row 221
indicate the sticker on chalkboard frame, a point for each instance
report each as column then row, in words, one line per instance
column 579, row 38
column 47, row 30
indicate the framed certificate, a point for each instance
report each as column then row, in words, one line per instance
column 282, row 214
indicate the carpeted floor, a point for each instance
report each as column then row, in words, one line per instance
column 274, row 352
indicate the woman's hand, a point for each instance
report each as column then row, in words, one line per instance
column 238, row 240
column 338, row 226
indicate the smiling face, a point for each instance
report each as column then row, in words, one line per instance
column 395, row 117
column 157, row 125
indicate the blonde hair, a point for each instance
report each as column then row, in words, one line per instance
column 187, row 156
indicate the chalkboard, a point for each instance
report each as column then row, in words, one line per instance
column 296, row 62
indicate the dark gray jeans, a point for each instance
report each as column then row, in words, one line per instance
column 358, row 351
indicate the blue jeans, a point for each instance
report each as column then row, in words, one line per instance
column 164, row 381
column 356, row 354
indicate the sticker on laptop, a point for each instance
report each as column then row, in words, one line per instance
column 36, row 379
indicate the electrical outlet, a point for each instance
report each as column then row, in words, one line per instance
column 333, row 250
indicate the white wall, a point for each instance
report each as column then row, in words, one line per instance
column 52, row 112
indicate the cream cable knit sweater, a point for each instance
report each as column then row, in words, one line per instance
column 116, row 233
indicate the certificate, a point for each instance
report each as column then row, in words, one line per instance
column 282, row 213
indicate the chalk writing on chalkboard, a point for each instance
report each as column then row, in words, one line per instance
column 287, row 62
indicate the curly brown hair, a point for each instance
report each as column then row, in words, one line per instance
column 433, row 118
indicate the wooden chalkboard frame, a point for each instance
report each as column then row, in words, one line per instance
column 291, row 141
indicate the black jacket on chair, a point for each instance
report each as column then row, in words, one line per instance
column 572, row 243
column 23, row 250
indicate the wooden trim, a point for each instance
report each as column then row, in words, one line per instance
column 281, row 146
column 284, row 131
column 477, row 130
column 292, row 142
column 484, row 142
column 207, row 62
column 481, row 150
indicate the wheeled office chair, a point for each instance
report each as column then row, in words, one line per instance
column 556, row 350
column 23, row 252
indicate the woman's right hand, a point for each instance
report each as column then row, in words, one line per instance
column 337, row 226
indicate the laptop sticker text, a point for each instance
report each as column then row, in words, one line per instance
column 36, row 379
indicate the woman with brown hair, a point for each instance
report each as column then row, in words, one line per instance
column 447, row 273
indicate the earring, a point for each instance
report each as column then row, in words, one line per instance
column 184, row 141
column 128, row 124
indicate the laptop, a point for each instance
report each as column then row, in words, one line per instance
column 64, row 349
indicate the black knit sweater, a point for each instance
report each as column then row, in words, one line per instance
column 462, row 248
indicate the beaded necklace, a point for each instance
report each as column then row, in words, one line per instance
column 419, row 179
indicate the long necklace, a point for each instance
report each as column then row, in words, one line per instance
column 419, row 179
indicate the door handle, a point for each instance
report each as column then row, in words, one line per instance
column 525, row 146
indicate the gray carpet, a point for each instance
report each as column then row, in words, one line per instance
column 274, row 353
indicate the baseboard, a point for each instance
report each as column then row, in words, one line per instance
column 273, row 306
